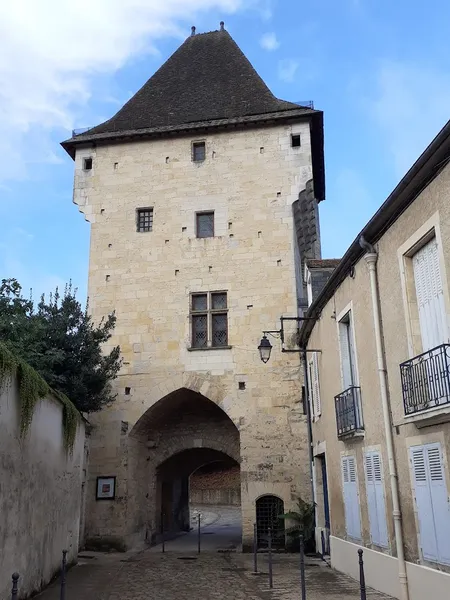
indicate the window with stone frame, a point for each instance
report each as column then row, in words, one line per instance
column 204, row 224
column 198, row 151
column 209, row 320
column 144, row 220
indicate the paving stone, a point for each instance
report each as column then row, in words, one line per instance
column 209, row 576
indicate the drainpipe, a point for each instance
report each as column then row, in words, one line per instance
column 371, row 260
column 309, row 420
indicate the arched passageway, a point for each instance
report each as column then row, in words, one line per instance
column 268, row 510
column 173, row 477
column 180, row 434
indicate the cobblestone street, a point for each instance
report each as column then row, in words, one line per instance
column 208, row 576
column 217, row 573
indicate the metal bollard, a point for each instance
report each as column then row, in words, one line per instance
column 163, row 533
column 62, row 593
column 255, row 549
column 15, row 583
column 270, row 558
column 199, row 517
column 302, row 566
column 362, row 579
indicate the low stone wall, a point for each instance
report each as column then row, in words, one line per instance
column 40, row 493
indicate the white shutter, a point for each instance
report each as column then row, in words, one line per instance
column 432, row 502
column 430, row 296
column 351, row 500
column 381, row 502
column 440, row 501
column 314, row 385
column 427, row 530
column 375, row 499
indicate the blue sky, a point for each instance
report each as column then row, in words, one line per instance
column 378, row 69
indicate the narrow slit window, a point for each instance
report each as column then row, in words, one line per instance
column 144, row 220
column 198, row 151
column 87, row 164
column 205, row 224
column 295, row 140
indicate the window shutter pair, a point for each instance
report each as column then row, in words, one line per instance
column 433, row 509
column 375, row 499
column 351, row 497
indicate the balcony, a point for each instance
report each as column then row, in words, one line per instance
column 426, row 387
column 348, row 413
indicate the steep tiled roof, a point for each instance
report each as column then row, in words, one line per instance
column 322, row 263
column 207, row 83
column 207, row 78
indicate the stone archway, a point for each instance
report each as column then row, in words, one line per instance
column 173, row 493
column 175, row 436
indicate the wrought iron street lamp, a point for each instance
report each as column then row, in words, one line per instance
column 265, row 348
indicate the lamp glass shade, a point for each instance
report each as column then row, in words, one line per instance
column 265, row 348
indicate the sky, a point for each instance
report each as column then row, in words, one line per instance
column 380, row 71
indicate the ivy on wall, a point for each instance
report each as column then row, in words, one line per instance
column 31, row 389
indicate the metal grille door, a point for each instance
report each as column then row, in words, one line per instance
column 268, row 510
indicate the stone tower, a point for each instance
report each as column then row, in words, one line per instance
column 202, row 197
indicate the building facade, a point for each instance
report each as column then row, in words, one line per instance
column 202, row 194
column 378, row 358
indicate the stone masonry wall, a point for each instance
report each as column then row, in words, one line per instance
column 250, row 179
column 219, row 486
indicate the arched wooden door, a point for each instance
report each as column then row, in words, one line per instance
column 268, row 510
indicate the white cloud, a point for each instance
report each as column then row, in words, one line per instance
column 52, row 51
column 287, row 69
column 269, row 41
column 410, row 105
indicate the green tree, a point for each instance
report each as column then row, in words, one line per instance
column 59, row 339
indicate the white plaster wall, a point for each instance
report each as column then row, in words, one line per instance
column 423, row 582
column 40, row 494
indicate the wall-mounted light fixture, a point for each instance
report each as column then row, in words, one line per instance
column 265, row 347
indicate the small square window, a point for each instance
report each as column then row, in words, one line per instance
column 199, row 302
column 205, row 224
column 218, row 300
column 198, row 151
column 144, row 219
column 87, row 164
column 295, row 140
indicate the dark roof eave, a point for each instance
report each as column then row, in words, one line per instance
column 423, row 171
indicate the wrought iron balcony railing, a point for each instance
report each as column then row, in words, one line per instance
column 348, row 412
column 426, row 380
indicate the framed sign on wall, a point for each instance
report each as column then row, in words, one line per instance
column 106, row 488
